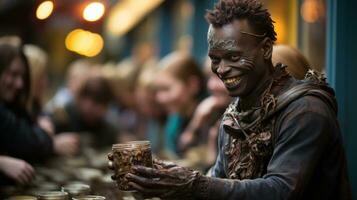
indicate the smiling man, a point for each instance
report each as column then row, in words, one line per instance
column 279, row 139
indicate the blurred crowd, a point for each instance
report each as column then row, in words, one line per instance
column 174, row 102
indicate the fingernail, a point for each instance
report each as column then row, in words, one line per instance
column 110, row 165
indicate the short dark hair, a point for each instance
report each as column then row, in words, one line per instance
column 225, row 11
column 96, row 89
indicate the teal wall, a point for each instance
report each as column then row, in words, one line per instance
column 199, row 28
column 341, row 62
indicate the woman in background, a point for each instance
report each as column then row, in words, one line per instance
column 199, row 139
column 179, row 87
column 21, row 139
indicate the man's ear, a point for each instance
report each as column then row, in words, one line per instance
column 267, row 48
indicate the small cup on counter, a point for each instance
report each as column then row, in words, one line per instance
column 76, row 189
column 89, row 197
column 53, row 195
column 22, row 198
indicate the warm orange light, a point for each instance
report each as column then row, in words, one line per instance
column 44, row 10
column 84, row 42
column 280, row 29
column 312, row 10
column 126, row 13
column 93, row 11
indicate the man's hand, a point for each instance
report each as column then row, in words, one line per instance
column 164, row 181
column 16, row 169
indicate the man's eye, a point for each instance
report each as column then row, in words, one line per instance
column 234, row 58
column 215, row 60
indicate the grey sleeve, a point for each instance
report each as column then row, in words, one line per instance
column 217, row 169
column 301, row 140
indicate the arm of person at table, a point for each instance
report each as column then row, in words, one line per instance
column 22, row 138
column 301, row 140
column 201, row 115
column 66, row 144
column 16, row 169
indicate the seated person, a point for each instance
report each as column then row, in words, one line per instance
column 85, row 115
column 20, row 135
column 202, row 131
column 179, row 85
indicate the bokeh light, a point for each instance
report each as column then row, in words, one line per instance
column 93, row 11
column 44, row 10
column 312, row 10
column 84, row 42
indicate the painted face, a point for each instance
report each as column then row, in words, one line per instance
column 171, row 93
column 12, row 81
column 216, row 88
column 237, row 57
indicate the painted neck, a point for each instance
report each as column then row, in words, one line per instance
column 253, row 99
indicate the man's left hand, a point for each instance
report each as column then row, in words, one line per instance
column 167, row 183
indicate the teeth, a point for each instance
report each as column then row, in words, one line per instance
column 231, row 80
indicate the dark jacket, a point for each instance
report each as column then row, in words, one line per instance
column 308, row 159
column 21, row 138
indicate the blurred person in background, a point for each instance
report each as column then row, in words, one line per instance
column 124, row 112
column 85, row 117
column 21, row 140
column 202, row 130
column 66, row 144
column 179, row 87
column 151, row 115
column 38, row 60
column 78, row 71
column 297, row 64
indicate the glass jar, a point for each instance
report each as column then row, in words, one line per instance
column 53, row 195
column 127, row 155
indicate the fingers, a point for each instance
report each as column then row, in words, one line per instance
column 160, row 164
column 149, row 172
column 24, row 173
column 110, row 156
column 28, row 172
column 20, row 178
column 111, row 165
column 110, row 162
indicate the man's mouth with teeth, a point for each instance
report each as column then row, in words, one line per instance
column 231, row 82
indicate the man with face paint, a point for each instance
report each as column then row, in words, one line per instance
column 279, row 139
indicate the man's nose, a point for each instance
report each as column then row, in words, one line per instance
column 223, row 69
